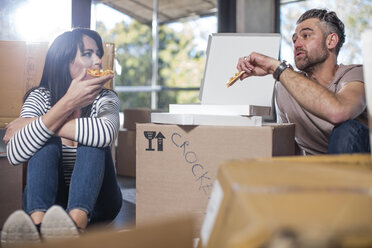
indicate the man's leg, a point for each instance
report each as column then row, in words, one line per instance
column 349, row 137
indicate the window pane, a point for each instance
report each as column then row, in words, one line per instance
column 34, row 20
column 355, row 14
column 181, row 54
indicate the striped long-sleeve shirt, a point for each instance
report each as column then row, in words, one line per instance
column 98, row 130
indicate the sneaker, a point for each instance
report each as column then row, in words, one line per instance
column 19, row 229
column 57, row 224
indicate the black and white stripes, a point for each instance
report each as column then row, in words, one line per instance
column 98, row 130
column 27, row 142
column 69, row 157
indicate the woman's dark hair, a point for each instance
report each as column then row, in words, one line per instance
column 56, row 75
column 332, row 22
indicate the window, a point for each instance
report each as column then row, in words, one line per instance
column 34, row 20
column 181, row 57
column 355, row 14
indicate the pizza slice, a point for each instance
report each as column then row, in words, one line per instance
column 99, row 72
column 233, row 79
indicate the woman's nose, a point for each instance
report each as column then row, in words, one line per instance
column 97, row 60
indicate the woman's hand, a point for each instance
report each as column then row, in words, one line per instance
column 85, row 88
column 13, row 127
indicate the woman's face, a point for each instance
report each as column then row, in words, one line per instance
column 88, row 58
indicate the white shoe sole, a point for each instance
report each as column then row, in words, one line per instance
column 57, row 224
column 19, row 229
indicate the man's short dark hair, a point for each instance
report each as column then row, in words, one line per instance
column 330, row 19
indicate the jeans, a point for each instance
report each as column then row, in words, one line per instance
column 349, row 137
column 93, row 187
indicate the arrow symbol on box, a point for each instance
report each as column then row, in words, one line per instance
column 160, row 138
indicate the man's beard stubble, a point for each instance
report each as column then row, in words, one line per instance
column 308, row 63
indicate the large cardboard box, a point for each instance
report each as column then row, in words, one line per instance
column 11, row 188
column 126, row 153
column 12, row 180
column 126, row 148
column 367, row 65
column 132, row 116
column 177, row 165
column 319, row 200
column 21, row 67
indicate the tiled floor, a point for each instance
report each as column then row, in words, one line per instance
column 127, row 216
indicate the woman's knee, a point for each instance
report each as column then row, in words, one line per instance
column 51, row 151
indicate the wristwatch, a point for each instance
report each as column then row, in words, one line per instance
column 284, row 65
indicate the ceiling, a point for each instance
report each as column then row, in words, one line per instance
column 168, row 10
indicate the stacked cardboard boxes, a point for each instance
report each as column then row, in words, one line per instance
column 126, row 150
column 311, row 201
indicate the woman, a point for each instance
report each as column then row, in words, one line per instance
column 66, row 127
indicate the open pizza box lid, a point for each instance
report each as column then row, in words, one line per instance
column 223, row 53
column 250, row 97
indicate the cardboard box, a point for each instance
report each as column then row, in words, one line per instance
column 367, row 63
column 108, row 61
column 21, row 67
column 136, row 115
column 165, row 234
column 319, row 199
column 126, row 153
column 177, row 165
column 11, row 188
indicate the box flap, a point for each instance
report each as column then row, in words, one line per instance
column 223, row 53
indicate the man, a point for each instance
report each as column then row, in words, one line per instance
column 325, row 100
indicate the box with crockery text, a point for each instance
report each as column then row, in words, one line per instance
column 176, row 165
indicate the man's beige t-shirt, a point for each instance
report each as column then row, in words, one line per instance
column 312, row 133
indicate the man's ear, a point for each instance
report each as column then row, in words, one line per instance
column 332, row 41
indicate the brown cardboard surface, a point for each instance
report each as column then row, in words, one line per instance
column 126, row 153
column 108, row 61
column 177, row 165
column 11, row 188
column 21, row 66
column 322, row 200
column 164, row 234
column 136, row 115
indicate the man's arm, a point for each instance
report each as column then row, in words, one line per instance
column 348, row 103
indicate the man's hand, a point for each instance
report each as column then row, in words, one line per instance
column 13, row 127
column 257, row 65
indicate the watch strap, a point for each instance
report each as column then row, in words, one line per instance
column 284, row 65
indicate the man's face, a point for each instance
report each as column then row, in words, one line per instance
column 309, row 44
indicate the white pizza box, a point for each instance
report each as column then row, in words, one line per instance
column 200, row 119
column 207, row 109
column 242, row 104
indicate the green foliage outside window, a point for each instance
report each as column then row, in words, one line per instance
column 180, row 64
